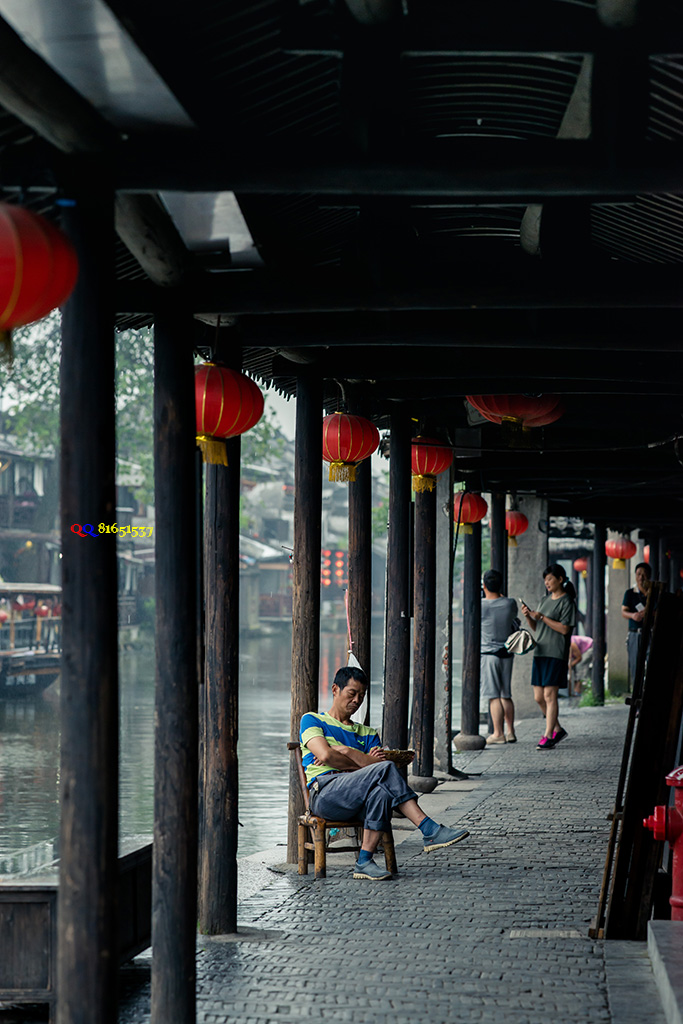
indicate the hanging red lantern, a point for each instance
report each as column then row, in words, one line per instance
column 38, row 268
column 581, row 565
column 42, row 611
column 347, row 440
column 646, row 554
column 516, row 523
column 467, row 509
column 429, row 458
column 3, row 616
column 620, row 550
column 523, row 410
column 227, row 403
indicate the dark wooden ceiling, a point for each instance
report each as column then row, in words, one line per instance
column 446, row 199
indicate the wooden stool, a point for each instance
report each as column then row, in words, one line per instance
column 318, row 828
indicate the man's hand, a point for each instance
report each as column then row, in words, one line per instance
column 638, row 616
column 379, row 753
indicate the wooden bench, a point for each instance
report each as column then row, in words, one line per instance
column 319, row 827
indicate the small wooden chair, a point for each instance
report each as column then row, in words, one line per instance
column 318, row 828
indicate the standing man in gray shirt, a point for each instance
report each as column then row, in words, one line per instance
column 498, row 620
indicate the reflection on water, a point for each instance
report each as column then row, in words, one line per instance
column 29, row 749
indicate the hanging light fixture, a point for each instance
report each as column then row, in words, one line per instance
column 516, row 523
column 428, row 458
column 619, row 551
column 227, row 403
column 347, row 440
column 467, row 509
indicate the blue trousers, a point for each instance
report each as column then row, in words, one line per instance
column 371, row 793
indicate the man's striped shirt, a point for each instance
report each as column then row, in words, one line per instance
column 362, row 737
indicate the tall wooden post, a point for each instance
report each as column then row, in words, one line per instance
column 360, row 567
column 424, row 632
column 306, row 577
column 654, row 563
column 588, row 624
column 663, row 560
column 443, row 749
column 86, row 921
column 174, row 868
column 598, row 609
column 468, row 738
column 397, row 656
column 218, row 856
column 499, row 539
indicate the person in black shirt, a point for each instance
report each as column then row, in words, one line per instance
column 633, row 609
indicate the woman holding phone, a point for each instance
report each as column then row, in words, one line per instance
column 552, row 622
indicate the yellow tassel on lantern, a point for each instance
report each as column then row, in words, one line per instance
column 512, row 542
column 213, row 450
column 343, row 472
column 423, row 482
column 618, row 563
column 466, row 528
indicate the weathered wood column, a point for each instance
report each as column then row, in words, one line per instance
column 468, row 738
column 499, row 539
column 397, row 655
column 598, row 562
column 218, row 827
column 424, row 633
column 654, row 563
column 86, row 942
column 174, row 868
column 360, row 567
column 663, row 560
column 588, row 624
column 306, row 577
column 443, row 749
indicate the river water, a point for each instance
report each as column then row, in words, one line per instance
column 29, row 749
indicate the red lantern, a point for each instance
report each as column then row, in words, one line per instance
column 581, row 565
column 518, row 413
column 42, row 611
column 646, row 554
column 227, row 403
column 468, row 508
column 619, row 550
column 516, row 523
column 347, row 440
column 3, row 616
column 38, row 267
column 429, row 458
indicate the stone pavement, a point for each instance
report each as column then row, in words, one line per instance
column 494, row 928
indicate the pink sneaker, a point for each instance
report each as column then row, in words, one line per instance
column 545, row 743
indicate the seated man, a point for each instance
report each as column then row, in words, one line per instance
column 348, row 776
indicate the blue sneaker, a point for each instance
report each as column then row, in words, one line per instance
column 370, row 870
column 444, row 837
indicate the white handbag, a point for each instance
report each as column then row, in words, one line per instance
column 520, row 642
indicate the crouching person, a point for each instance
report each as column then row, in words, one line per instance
column 348, row 776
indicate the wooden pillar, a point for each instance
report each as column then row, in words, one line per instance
column 424, row 632
column 468, row 738
column 86, row 943
column 360, row 567
column 654, row 563
column 218, row 856
column 443, row 748
column 499, row 538
column 663, row 560
column 675, row 571
column 397, row 655
column 174, row 867
column 588, row 624
column 598, row 613
column 306, row 578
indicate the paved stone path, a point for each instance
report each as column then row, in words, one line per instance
column 495, row 928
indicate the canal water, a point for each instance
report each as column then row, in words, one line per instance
column 29, row 749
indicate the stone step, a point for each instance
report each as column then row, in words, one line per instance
column 665, row 946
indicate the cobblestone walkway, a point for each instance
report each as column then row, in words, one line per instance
column 495, row 928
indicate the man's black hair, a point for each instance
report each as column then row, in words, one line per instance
column 646, row 567
column 349, row 672
column 493, row 581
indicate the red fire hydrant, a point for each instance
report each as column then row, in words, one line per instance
column 667, row 823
